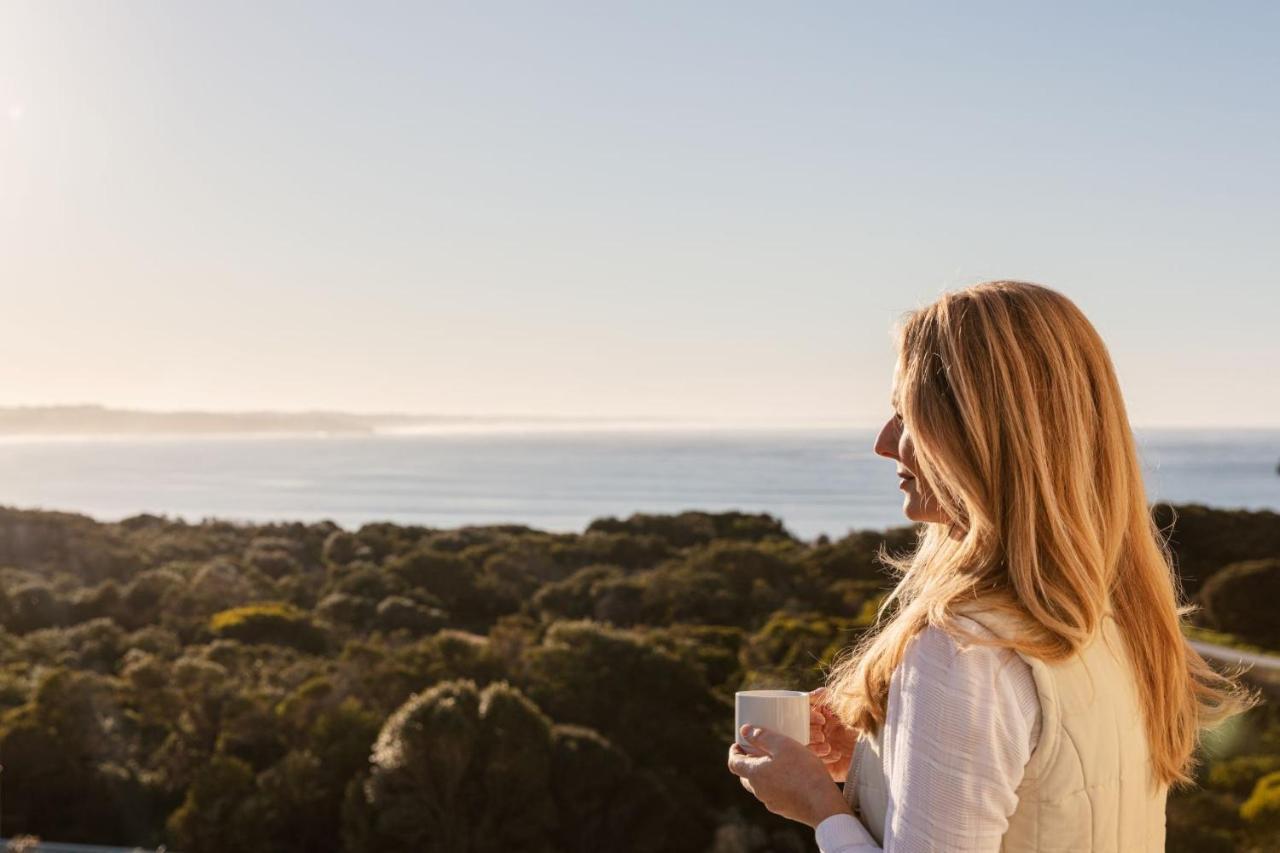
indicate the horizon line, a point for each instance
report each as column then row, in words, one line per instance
column 404, row 422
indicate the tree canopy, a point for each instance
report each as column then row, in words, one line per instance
column 300, row 687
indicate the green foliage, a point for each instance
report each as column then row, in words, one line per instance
column 627, row 550
column 365, row 580
column 352, row 611
column 1238, row 775
column 724, row 583
column 293, row 805
column 651, row 703
column 67, row 764
column 341, row 548
column 95, row 645
column 100, row 602
column 446, row 576
column 1204, row 539
column 397, row 613
column 250, row 731
column 712, row 649
column 1200, row 821
column 457, row 769
column 220, row 686
column 696, row 528
column 380, row 540
column 575, row 597
column 274, row 556
column 48, row 541
column 268, row 622
column 32, row 606
column 1262, row 809
column 1219, row 638
column 856, row 556
column 598, row 796
column 793, row 650
column 452, row 654
column 590, row 674
column 1241, row 599
column 218, row 811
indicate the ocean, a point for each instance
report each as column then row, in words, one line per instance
column 821, row 480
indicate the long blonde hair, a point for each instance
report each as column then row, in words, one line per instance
column 1021, row 431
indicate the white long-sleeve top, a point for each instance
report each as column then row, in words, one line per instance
column 959, row 729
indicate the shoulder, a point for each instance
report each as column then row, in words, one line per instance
column 953, row 645
column 965, row 696
column 947, row 657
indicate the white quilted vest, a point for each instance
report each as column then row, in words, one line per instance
column 1088, row 785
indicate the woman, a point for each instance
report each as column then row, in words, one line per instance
column 1027, row 685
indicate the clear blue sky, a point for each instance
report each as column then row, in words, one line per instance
column 667, row 209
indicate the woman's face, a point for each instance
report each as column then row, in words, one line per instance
column 894, row 442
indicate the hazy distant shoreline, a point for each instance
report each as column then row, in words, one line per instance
column 101, row 421
column 92, row 422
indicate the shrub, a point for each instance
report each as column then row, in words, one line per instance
column 340, row 608
column 793, row 648
column 1262, row 809
column 366, row 580
column 1241, row 598
column 396, row 613
column 147, row 597
column 1205, row 539
column 457, row 769
column 627, row 550
column 269, row 622
column 1238, row 775
column 1201, row 821
column 696, row 528
column 33, row 606
column 574, row 597
column 215, row 814
column 446, row 576
column 273, row 556
column 601, row 799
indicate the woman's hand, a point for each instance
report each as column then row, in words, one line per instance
column 789, row 779
column 830, row 739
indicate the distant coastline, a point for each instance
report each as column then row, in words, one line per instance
column 95, row 421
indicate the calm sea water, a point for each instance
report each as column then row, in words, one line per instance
column 815, row 480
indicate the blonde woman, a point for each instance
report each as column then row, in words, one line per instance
column 1027, row 685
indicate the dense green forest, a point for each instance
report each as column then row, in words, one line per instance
column 295, row 687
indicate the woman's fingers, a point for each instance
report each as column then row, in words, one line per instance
column 738, row 759
column 820, row 749
column 832, row 756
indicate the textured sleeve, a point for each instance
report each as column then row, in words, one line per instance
column 842, row 833
column 965, row 728
column 961, row 727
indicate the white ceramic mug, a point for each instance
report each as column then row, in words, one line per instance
column 785, row 711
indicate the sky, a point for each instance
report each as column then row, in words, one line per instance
column 657, row 209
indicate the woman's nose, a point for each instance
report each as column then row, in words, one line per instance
column 887, row 441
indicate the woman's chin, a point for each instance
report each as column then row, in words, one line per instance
column 912, row 509
column 920, row 514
